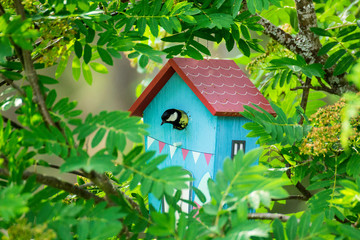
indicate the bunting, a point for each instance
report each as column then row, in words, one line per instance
column 172, row 149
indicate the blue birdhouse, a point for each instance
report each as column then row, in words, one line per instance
column 193, row 109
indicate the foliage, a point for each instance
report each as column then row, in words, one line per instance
column 313, row 52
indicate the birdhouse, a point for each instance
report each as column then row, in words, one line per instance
column 193, row 109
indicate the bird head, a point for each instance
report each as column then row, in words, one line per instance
column 169, row 116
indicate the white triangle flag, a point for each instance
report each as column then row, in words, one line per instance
column 150, row 141
column 196, row 156
column 172, row 150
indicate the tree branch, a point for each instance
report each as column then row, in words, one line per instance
column 31, row 73
column 291, row 197
column 103, row 182
column 268, row 216
column 299, row 186
column 12, row 123
column 12, row 84
column 72, row 172
column 56, row 183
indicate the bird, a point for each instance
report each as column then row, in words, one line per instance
column 176, row 117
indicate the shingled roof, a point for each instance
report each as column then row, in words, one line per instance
column 219, row 84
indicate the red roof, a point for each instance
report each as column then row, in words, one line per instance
column 219, row 84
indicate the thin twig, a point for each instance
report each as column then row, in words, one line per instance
column 291, row 197
column 72, row 172
column 56, row 183
column 268, row 216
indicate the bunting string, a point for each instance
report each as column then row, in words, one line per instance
column 173, row 149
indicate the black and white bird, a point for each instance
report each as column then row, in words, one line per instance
column 177, row 118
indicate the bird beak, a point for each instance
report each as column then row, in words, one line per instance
column 162, row 122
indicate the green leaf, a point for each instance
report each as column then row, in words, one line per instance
column 47, row 80
column 245, row 32
column 316, row 224
column 345, row 31
column 200, row 47
column 62, row 65
column 166, row 7
column 326, row 48
column 236, row 7
column 141, row 25
column 188, row 19
column 87, row 73
column 90, row 35
column 98, row 137
column 343, row 65
column 76, row 68
column 98, row 67
column 5, row 49
column 314, row 69
column 218, row 3
column 87, row 53
column 143, row 61
column 354, row 36
column 304, row 224
column 153, row 25
column 334, row 58
column 78, row 49
column 176, row 25
column 199, row 194
column 320, row 32
column 193, row 53
column 291, row 228
column 221, row 20
column 105, row 56
column 244, row 47
column 278, row 230
column 11, row 75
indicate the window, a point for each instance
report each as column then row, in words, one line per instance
column 236, row 146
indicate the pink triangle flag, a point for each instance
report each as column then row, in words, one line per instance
column 184, row 153
column 161, row 146
column 207, row 157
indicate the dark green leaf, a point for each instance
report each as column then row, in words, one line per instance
column 47, row 80
column 244, row 47
column 105, row 56
column 90, row 36
column 343, row 65
column 200, row 47
column 334, row 58
column 354, row 36
column 245, row 32
column 78, row 49
column 87, row 53
column 327, row 48
column 320, row 32
column 345, row 31
column 193, row 53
